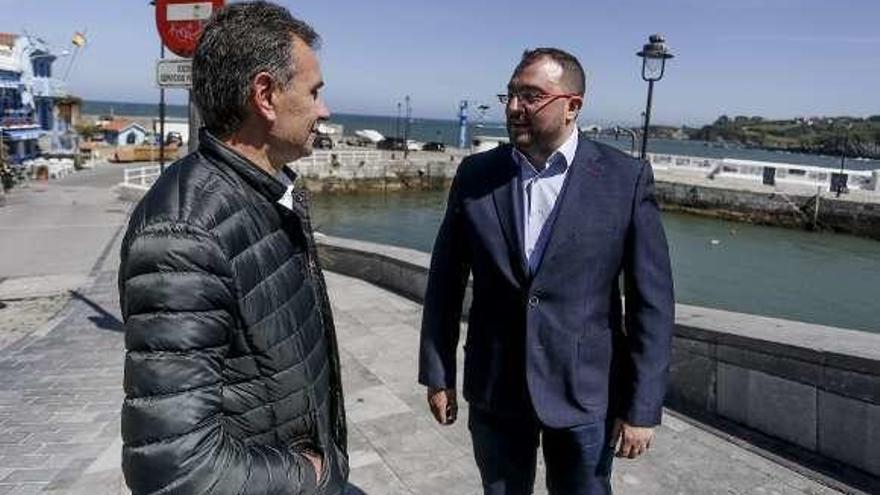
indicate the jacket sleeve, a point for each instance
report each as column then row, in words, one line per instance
column 650, row 308
column 178, row 302
column 447, row 280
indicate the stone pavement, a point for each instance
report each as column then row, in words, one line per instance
column 397, row 448
column 60, row 227
column 60, row 349
column 61, row 393
column 62, row 376
column 60, row 400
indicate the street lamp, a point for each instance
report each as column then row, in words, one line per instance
column 654, row 56
column 406, row 128
column 397, row 125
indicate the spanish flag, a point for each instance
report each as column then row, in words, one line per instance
column 79, row 39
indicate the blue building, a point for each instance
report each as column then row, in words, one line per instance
column 28, row 93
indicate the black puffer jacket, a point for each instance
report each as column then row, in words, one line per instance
column 232, row 367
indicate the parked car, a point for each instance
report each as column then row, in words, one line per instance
column 394, row 144
column 323, row 142
column 358, row 141
column 174, row 137
column 434, row 146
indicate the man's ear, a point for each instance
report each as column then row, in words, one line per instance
column 263, row 96
column 574, row 107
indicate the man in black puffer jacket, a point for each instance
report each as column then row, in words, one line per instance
column 232, row 381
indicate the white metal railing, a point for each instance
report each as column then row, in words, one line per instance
column 663, row 161
column 345, row 164
column 141, row 176
column 55, row 167
column 784, row 173
column 354, row 164
column 342, row 157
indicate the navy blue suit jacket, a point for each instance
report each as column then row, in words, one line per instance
column 554, row 337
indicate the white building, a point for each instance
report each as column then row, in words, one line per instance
column 132, row 134
column 27, row 94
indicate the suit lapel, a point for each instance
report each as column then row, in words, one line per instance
column 574, row 203
column 508, row 206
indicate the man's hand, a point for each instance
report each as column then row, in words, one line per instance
column 630, row 441
column 443, row 404
column 317, row 463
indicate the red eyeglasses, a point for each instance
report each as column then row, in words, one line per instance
column 532, row 98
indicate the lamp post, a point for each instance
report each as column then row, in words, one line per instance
column 406, row 128
column 397, row 122
column 618, row 130
column 844, row 139
column 654, row 55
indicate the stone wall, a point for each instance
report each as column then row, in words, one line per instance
column 812, row 386
column 391, row 174
column 772, row 208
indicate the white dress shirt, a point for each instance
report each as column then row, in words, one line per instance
column 541, row 189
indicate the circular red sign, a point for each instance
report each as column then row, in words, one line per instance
column 180, row 23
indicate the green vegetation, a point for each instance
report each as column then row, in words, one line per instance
column 828, row 136
column 89, row 131
column 6, row 176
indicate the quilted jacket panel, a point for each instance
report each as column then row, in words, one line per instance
column 232, row 366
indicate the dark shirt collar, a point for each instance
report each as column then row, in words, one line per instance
column 263, row 182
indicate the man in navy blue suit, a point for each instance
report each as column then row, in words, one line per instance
column 547, row 226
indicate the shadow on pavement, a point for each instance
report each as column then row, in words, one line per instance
column 104, row 319
column 811, row 464
column 353, row 490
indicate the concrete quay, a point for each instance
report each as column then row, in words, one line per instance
column 784, row 205
column 734, row 192
column 61, row 393
column 719, row 188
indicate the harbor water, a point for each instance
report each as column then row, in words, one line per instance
column 820, row 278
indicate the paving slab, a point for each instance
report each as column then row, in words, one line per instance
column 63, row 437
column 428, row 458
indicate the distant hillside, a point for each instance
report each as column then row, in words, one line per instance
column 827, row 136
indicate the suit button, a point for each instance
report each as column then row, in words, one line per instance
column 300, row 197
column 533, row 301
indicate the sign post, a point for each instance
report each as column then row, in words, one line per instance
column 161, row 116
column 180, row 23
column 174, row 73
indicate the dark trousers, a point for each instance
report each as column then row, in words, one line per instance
column 578, row 459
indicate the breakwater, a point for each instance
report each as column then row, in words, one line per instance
column 818, row 211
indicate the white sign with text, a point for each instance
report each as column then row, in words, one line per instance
column 174, row 73
column 196, row 11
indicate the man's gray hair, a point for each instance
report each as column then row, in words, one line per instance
column 240, row 41
column 572, row 72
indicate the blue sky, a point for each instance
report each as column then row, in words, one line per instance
column 776, row 58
